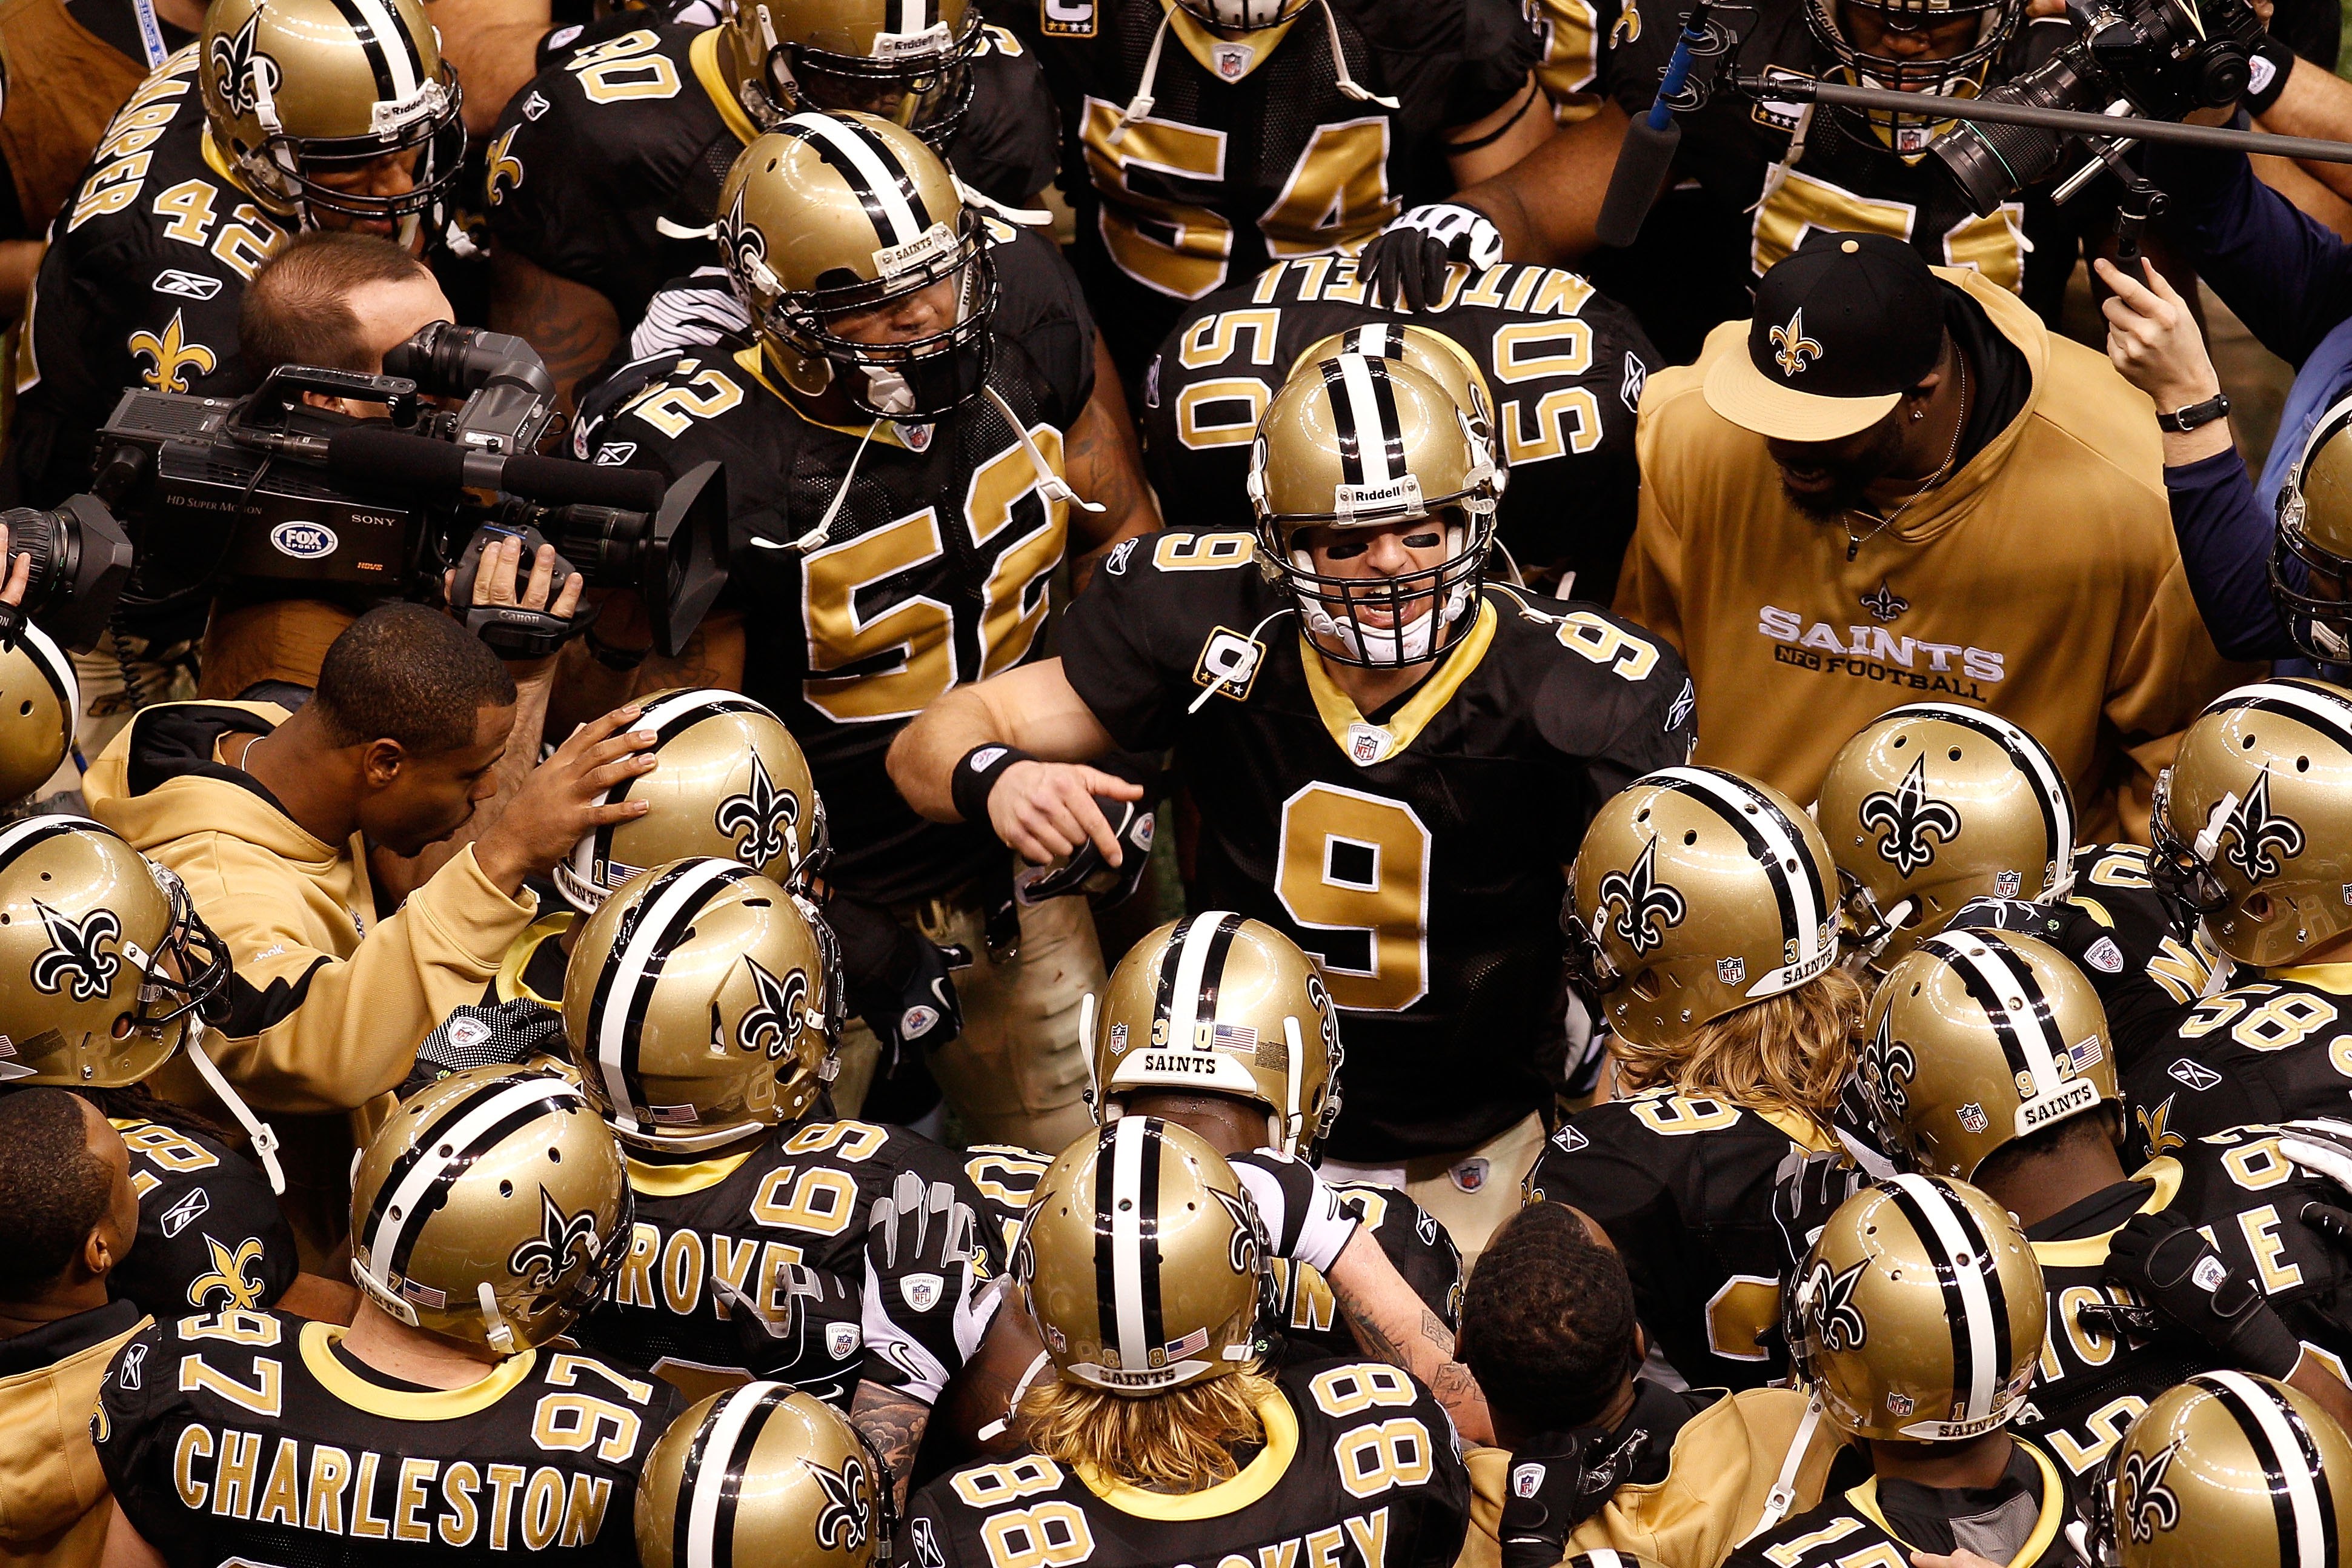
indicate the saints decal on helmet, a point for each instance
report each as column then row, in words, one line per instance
column 1955, row 43
column 2226, row 1469
column 305, row 96
column 1979, row 1038
column 907, row 61
column 1935, row 804
column 1696, row 891
column 700, row 1004
column 2314, row 527
column 1354, row 444
column 1433, row 354
column 731, row 782
column 1918, row 1315
column 491, row 1209
column 1219, row 1004
column 38, row 702
column 830, row 214
column 2252, row 821
column 763, row 1474
column 1141, row 1260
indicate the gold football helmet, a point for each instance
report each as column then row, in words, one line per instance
column 1962, row 73
column 300, row 92
column 1244, row 15
column 2252, row 821
column 39, row 701
column 1979, row 1038
column 909, row 65
column 763, row 1474
column 2314, row 527
column 1696, row 891
column 1214, row 1002
column 1141, row 1260
column 1919, row 1313
column 732, row 782
column 1359, row 442
column 1433, row 354
column 828, row 215
column 1934, row 803
column 2227, row 1470
column 699, row 1003
column 491, row 1209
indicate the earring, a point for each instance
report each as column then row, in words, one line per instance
column 1917, row 415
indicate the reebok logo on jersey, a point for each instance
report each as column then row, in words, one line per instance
column 1568, row 1141
column 182, row 1214
column 614, row 453
column 536, row 104
column 1116, row 561
column 186, row 285
column 2198, row 1076
column 127, row 1370
column 1637, row 376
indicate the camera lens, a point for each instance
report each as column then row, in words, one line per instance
column 81, row 560
column 1992, row 162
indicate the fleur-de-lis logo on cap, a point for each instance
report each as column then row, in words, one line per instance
column 77, row 955
column 760, row 819
column 2255, row 830
column 2146, row 1504
column 546, row 1258
column 1646, row 908
column 1793, row 350
column 1910, row 816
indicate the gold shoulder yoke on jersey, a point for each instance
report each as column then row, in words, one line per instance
column 1338, row 710
column 2335, row 979
column 2090, row 1251
column 753, row 363
column 663, row 1181
column 1256, row 1479
column 1207, row 48
column 521, row 951
column 403, row 1405
column 2052, row 1518
column 703, row 56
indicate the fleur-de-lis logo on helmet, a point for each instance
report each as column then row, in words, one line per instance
column 1646, row 908
column 246, row 75
column 760, row 819
column 1836, row 1318
column 1243, row 1252
column 2145, row 1504
column 1910, row 815
column 548, row 1256
column 1889, row 1067
column 2255, row 830
column 841, row 1525
column 77, row 955
column 769, row 1024
column 1793, row 351
column 740, row 241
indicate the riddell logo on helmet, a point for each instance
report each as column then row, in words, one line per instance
column 1875, row 653
column 1396, row 498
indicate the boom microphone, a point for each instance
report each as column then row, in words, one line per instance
column 1650, row 141
column 376, row 454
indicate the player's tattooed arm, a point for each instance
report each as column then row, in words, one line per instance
column 893, row 1423
column 572, row 326
column 1396, row 1326
column 1104, row 463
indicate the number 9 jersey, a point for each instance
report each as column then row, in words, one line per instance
column 1417, row 852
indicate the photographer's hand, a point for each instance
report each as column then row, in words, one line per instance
column 2153, row 342
column 562, row 799
column 18, row 573
column 498, row 582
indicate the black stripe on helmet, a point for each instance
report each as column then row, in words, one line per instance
column 1956, row 1309
column 1981, row 991
column 678, row 723
column 639, row 1001
column 1392, row 430
column 735, row 1462
column 378, row 61
column 1106, row 1256
column 1147, row 1238
column 1980, row 1247
column 2275, row 1465
column 1163, row 995
column 20, row 838
column 1212, row 972
column 1783, row 889
column 2338, row 730
column 2058, row 842
column 411, row 1224
column 1343, row 422
column 364, row 1233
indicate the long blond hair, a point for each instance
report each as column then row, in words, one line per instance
column 1791, row 1051
column 1179, row 1441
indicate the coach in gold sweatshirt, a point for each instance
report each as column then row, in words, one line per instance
column 1894, row 485
column 268, row 819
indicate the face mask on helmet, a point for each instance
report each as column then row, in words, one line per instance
column 921, row 79
column 1941, row 46
column 2315, row 532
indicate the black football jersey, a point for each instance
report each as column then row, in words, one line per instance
column 2247, row 1199
column 804, row 1196
column 211, row 1236
column 2277, row 1049
column 251, row 1437
column 937, row 572
column 1416, row 851
column 1879, row 1525
column 2151, row 976
column 1684, row 1186
column 1361, row 1468
column 1563, row 370
column 1249, row 152
column 140, row 286
column 619, row 134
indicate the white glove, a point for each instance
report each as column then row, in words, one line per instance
column 1305, row 1220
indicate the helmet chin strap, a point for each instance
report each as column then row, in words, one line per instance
column 264, row 1139
column 501, row 1338
column 1294, row 1130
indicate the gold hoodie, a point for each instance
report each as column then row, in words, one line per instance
column 2041, row 581
column 328, row 1005
column 53, row 1496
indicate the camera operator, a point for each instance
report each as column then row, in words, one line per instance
column 268, row 818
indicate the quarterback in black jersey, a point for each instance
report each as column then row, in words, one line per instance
column 1555, row 369
column 1391, row 759
column 604, row 173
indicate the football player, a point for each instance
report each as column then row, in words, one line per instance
column 1219, row 135
column 1394, row 783
column 1553, row 370
column 286, row 115
column 1915, row 1325
column 897, row 466
column 36, row 730
column 699, row 1006
column 2250, row 824
column 2227, row 1468
column 448, row 1422
column 1989, row 1062
column 1161, row 1437
column 107, row 970
column 605, row 174
column 763, row 1473
column 1704, row 909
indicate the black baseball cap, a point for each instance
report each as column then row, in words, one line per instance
column 1843, row 329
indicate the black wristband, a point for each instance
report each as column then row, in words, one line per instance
column 977, row 774
column 2271, row 63
column 611, row 657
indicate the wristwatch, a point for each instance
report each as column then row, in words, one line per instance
column 2182, row 420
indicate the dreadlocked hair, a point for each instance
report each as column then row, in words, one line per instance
column 1548, row 1321
column 1179, row 1441
column 1793, row 1051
